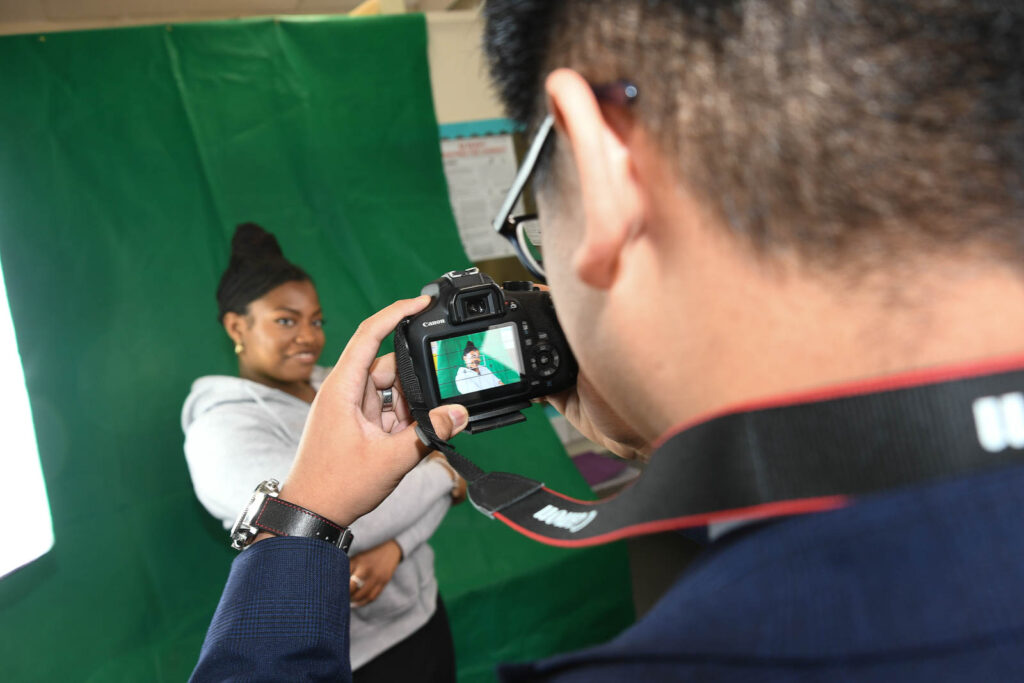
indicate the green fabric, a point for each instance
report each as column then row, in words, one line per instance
column 126, row 159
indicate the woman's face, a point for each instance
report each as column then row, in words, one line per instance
column 282, row 334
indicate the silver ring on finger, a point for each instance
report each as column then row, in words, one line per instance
column 387, row 400
column 357, row 581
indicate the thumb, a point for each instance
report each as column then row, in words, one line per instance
column 449, row 420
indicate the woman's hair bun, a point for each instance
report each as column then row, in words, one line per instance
column 253, row 243
column 256, row 266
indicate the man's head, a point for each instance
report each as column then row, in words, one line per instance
column 841, row 129
column 775, row 147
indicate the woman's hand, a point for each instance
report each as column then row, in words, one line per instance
column 595, row 419
column 459, row 489
column 370, row 571
column 352, row 455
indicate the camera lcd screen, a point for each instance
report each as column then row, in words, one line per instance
column 481, row 361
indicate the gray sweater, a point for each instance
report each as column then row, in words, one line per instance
column 238, row 433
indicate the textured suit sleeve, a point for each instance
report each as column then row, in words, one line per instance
column 283, row 616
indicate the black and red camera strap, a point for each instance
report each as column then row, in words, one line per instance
column 807, row 453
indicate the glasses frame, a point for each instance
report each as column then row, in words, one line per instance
column 511, row 227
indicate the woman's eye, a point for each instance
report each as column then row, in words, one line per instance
column 318, row 323
column 286, row 322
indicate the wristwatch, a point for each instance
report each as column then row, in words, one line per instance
column 267, row 512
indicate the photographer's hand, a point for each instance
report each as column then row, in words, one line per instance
column 352, row 455
column 595, row 419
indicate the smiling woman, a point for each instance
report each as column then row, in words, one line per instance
column 242, row 430
column 270, row 309
column 279, row 339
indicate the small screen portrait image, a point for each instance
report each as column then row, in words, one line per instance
column 477, row 362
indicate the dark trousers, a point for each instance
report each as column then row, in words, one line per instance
column 426, row 656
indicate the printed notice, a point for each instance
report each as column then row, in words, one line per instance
column 480, row 171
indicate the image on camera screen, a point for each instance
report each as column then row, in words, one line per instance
column 479, row 361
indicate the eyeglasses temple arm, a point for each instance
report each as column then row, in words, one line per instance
column 529, row 161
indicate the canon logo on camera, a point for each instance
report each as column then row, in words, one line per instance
column 431, row 323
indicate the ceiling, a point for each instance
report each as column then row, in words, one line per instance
column 26, row 16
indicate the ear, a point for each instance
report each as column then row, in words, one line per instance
column 609, row 193
column 233, row 325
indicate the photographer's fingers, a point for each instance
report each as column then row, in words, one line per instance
column 361, row 350
column 447, row 421
column 372, row 406
column 347, row 461
column 384, row 375
column 402, row 412
column 384, row 371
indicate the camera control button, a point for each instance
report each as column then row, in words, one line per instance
column 545, row 360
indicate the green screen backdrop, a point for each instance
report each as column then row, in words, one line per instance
column 126, row 159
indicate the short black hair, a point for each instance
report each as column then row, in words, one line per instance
column 846, row 131
column 257, row 265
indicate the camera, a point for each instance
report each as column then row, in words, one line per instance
column 490, row 348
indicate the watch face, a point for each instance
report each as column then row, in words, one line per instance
column 242, row 532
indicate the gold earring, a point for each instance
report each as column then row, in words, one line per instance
column 239, row 348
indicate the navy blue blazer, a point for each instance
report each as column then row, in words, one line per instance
column 922, row 584
column 283, row 616
column 919, row 584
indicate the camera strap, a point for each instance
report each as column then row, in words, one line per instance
column 806, row 453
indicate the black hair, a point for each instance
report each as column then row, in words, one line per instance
column 850, row 132
column 469, row 348
column 257, row 265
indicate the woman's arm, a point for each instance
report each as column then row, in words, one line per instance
column 406, row 507
column 229, row 451
column 417, row 534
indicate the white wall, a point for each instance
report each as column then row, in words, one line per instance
column 458, row 72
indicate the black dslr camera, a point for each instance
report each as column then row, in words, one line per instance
column 489, row 348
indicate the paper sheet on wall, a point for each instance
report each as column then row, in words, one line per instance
column 479, row 170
